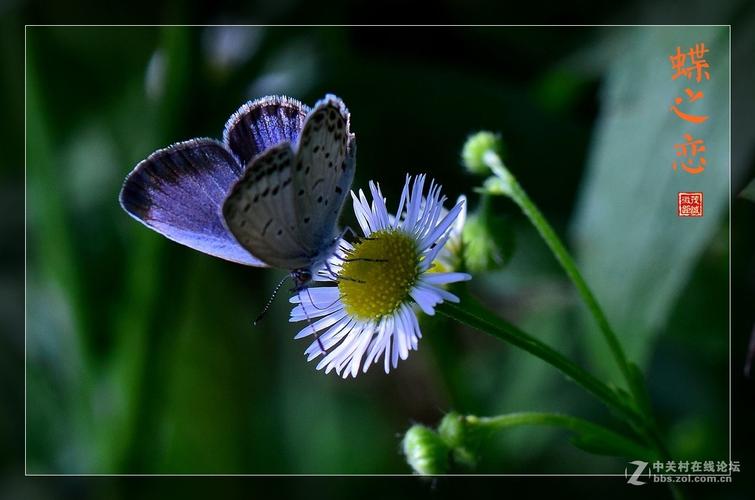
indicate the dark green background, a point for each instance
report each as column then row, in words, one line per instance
column 141, row 357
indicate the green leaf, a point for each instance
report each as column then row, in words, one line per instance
column 639, row 389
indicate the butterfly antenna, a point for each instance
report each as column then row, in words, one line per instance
column 270, row 300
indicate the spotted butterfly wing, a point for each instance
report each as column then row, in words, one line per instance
column 179, row 191
column 285, row 207
column 259, row 211
column 263, row 123
column 324, row 170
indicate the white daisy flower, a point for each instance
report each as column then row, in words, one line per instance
column 369, row 314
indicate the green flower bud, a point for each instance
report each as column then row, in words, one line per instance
column 474, row 150
column 502, row 184
column 451, row 429
column 457, row 435
column 425, row 451
column 488, row 242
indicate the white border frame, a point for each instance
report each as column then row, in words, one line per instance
column 27, row 26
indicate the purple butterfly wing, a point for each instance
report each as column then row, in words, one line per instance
column 263, row 123
column 179, row 191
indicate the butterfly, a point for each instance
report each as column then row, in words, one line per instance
column 268, row 195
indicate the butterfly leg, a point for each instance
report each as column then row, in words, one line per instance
column 309, row 320
column 348, row 229
column 358, row 259
column 321, row 308
column 337, row 277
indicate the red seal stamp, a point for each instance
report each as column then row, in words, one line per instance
column 690, row 205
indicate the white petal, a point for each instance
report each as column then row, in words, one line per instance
column 432, row 252
column 411, row 319
column 441, row 292
column 361, row 214
column 330, row 338
column 356, row 357
column 379, row 209
column 431, row 210
column 387, row 357
column 320, row 324
column 395, row 347
column 319, row 296
column 462, row 218
column 341, row 354
column 444, row 278
column 298, row 313
column 377, row 344
column 373, row 224
column 443, row 226
column 414, row 202
column 425, row 299
column 326, row 361
column 404, row 194
column 403, row 334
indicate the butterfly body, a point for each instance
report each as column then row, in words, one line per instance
column 269, row 194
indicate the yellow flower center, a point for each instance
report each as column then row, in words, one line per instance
column 378, row 274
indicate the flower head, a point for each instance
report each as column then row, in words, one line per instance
column 369, row 314
column 425, row 451
column 474, row 151
column 488, row 241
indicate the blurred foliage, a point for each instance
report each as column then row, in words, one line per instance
column 749, row 191
column 141, row 353
column 626, row 228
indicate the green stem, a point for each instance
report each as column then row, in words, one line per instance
column 509, row 186
column 588, row 434
column 486, row 322
column 506, row 184
column 486, row 200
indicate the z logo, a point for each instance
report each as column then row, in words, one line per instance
column 635, row 477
